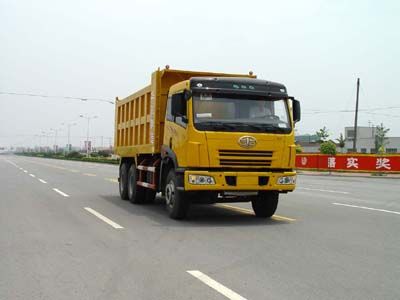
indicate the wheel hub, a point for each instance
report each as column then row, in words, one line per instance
column 170, row 193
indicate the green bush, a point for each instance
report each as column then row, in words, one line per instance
column 299, row 149
column 105, row 153
column 328, row 147
column 74, row 154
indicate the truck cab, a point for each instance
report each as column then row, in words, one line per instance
column 231, row 139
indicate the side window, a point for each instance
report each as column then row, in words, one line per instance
column 180, row 120
column 169, row 113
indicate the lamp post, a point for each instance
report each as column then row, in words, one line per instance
column 69, row 134
column 88, row 118
column 55, row 138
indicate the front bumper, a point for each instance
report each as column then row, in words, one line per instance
column 239, row 181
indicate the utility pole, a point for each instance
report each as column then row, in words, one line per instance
column 356, row 117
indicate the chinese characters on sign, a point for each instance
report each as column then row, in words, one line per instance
column 331, row 162
column 383, row 163
column 352, row 162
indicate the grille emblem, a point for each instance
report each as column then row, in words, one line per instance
column 247, row 142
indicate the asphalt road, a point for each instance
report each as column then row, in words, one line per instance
column 65, row 234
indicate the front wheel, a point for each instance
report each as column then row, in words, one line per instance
column 177, row 203
column 265, row 204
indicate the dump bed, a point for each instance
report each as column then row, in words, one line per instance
column 139, row 118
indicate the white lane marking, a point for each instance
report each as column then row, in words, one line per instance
column 321, row 190
column 89, row 174
column 32, row 175
column 25, row 171
column 114, row 180
column 103, row 218
column 368, row 208
column 42, row 181
column 60, row 192
column 228, row 293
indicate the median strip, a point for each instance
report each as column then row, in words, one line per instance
column 368, row 208
column 228, row 293
column 103, row 218
column 60, row 192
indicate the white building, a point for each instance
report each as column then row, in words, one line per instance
column 366, row 140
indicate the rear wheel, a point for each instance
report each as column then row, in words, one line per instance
column 136, row 193
column 177, row 203
column 123, row 181
column 265, row 204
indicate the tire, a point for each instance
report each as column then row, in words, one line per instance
column 265, row 204
column 136, row 194
column 176, row 202
column 123, row 181
column 150, row 196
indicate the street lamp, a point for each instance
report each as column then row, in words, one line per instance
column 69, row 134
column 88, row 118
column 55, row 137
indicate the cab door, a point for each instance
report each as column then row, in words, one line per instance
column 175, row 130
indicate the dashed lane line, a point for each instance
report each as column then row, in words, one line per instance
column 103, row 218
column 60, row 192
column 25, row 171
column 89, row 174
column 228, row 293
column 32, row 175
column 114, row 180
column 322, row 190
column 368, row 208
column 42, row 181
column 250, row 212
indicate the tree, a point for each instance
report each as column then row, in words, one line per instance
column 341, row 141
column 380, row 138
column 299, row 149
column 322, row 135
column 328, row 147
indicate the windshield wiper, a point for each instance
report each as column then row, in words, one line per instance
column 235, row 124
column 261, row 126
column 214, row 125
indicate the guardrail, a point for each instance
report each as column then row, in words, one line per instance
column 355, row 162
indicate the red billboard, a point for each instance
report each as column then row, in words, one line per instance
column 349, row 162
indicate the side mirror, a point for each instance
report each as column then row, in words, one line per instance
column 296, row 111
column 178, row 105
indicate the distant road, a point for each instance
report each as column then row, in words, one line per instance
column 65, row 234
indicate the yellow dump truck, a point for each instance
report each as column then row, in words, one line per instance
column 202, row 137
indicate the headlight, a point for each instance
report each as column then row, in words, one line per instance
column 201, row 179
column 286, row 180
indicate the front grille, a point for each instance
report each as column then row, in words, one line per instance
column 254, row 158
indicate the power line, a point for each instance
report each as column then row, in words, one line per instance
column 318, row 111
column 60, row 97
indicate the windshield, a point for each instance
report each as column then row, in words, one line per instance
column 227, row 112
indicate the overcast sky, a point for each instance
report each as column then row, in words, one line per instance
column 104, row 49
